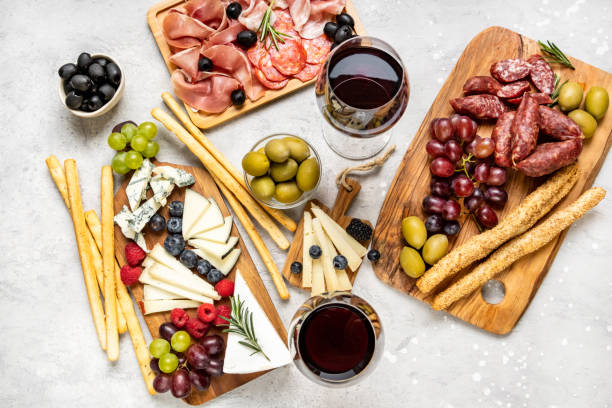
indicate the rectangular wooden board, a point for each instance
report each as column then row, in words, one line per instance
column 411, row 185
column 155, row 17
column 204, row 185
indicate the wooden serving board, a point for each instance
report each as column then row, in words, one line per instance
column 204, row 185
column 411, row 185
column 155, row 18
column 337, row 213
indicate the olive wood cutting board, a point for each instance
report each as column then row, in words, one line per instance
column 204, row 185
column 411, row 185
column 155, row 18
column 343, row 201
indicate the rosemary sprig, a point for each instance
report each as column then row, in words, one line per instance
column 269, row 34
column 554, row 54
column 555, row 94
column 241, row 323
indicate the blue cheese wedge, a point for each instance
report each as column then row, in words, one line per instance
column 137, row 187
column 178, row 176
column 123, row 219
column 162, row 188
column 143, row 214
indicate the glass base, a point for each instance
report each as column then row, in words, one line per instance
column 352, row 147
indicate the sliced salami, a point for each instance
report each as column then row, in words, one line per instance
column 513, row 90
column 510, row 70
column 309, row 72
column 502, row 135
column 542, row 74
column 479, row 106
column 317, row 49
column 558, row 126
column 549, row 157
column 525, row 129
column 267, row 83
column 256, row 53
column 481, row 84
column 265, row 66
column 290, row 58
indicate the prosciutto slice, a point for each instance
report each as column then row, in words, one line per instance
column 227, row 35
column 187, row 60
column 182, row 31
column 252, row 16
column 209, row 12
column 210, row 95
column 321, row 11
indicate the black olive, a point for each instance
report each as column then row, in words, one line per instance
column 67, row 87
column 238, row 97
column 96, row 73
column 233, row 10
column 113, row 73
column 344, row 33
column 74, row 100
column 95, row 103
column 67, row 70
column 205, row 64
column 84, row 61
column 330, row 29
column 334, row 45
column 118, row 126
column 247, row 38
column 101, row 61
column 345, row 19
column 80, row 82
column 106, row 92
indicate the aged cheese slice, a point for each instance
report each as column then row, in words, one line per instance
column 307, row 243
column 153, row 293
column 211, row 219
column 224, row 265
column 179, row 176
column 213, row 248
column 220, row 234
column 331, row 280
column 195, row 206
column 163, row 305
column 240, row 359
column 146, row 278
column 357, row 247
column 191, row 283
column 339, row 239
column 318, row 281
column 344, row 283
column 137, row 186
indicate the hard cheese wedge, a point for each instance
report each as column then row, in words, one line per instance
column 331, row 279
column 213, row 248
column 147, row 279
column 224, row 265
column 344, row 282
column 195, row 206
column 191, row 283
column 306, row 259
column 153, row 293
column 155, row 306
column 220, row 234
column 240, row 359
column 211, row 219
column 318, row 281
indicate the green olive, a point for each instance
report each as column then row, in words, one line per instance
column 411, row 262
column 587, row 123
column 570, row 96
column 298, row 149
column 287, row 192
column 414, row 232
column 261, row 150
column 263, row 187
column 277, row 150
column 435, row 248
column 284, row 171
column 308, row 174
column 596, row 102
column 255, row 163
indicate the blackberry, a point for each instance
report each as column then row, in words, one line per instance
column 203, row 267
column 188, row 258
column 359, row 230
column 296, row 268
column 214, row 275
column 175, row 225
column 174, row 244
column 157, row 223
column 340, row 262
column 315, row 252
column 373, row 255
column 176, row 209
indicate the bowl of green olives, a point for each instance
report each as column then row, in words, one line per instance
column 282, row 171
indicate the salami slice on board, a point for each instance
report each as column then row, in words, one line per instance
column 541, row 74
column 510, row 70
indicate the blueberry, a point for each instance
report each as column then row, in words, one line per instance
column 214, row 275
column 340, row 262
column 66, row 71
column 157, row 222
column 296, row 267
column 188, row 258
column 176, row 209
column 451, row 228
column 373, row 255
column 205, row 64
column 203, row 267
column 175, row 225
column 174, row 244
column 315, row 252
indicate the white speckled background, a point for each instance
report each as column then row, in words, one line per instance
column 559, row 354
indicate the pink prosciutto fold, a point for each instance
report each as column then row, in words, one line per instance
column 210, row 95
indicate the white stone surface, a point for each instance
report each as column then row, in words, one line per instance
column 559, row 354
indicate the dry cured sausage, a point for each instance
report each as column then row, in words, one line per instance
column 481, row 84
column 479, row 106
column 510, row 70
column 540, row 98
column 525, row 129
column 558, row 126
column 549, row 157
column 513, row 90
column 502, row 135
column 541, row 74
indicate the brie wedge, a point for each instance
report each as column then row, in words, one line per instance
column 224, row 265
column 331, row 279
column 146, row 278
column 195, row 206
column 306, row 258
column 213, row 248
column 153, row 293
column 240, row 359
column 155, row 306
column 211, row 219
column 178, row 176
column 137, row 186
column 220, row 234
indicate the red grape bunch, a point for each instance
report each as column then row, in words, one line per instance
column 462, row 167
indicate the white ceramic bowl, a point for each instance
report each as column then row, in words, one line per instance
column 109, row 105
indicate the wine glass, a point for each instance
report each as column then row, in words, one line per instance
column 362, row 91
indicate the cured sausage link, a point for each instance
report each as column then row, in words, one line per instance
column 540, row 98
column 549, row 157
column 481, row 84
column 557, row 125
column 541, row 74
column 502, row 135
column 525, row 128
column 479, row 106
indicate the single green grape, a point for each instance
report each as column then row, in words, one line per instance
column 129, row 131
column 139, row 142
column 151, row 150
column 159, row 347
column 180, row 341
column 168, row 362
column 133, row 159
column 148, row 129
column 117, row 141
column 118, row 163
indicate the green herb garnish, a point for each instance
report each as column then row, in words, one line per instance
column 241, row 323
column 269, row 34
column 555, row 94
column 554, row 54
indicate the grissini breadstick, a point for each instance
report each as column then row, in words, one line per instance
column 108, row 261
column 222, row 174
column 278, row 215
column 80, row 231
column 125, row 301
column 525, row 244
column 520, row 219
column 277, row 278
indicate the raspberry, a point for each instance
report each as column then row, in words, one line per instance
column 207, row 312
column 197, row 328
column 222, row 310
column 179, row 317
column 225, row 288
column 130, row 274
column 134, row 254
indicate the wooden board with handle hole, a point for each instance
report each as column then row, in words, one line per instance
column 411, row 185
column 155, row 18
column 204, row 185
column 338, row 213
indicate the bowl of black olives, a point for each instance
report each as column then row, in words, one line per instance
column 92, row 86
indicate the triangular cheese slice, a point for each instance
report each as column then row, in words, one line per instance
column 331, row 279
column 214, row 248
column 306, row 244
column 344, row 283
column 238, row 358
column 187, row 282
column 195, row 206
column 224, row 265
column 155, row 306
column 211, row 219
column 220, row 234
column 153, row 293
column 318, row 281
column 147, row 279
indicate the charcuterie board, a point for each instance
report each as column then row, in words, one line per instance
column 205, row 185
column 411, row 184
column 155, row 17
column 337, row 213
